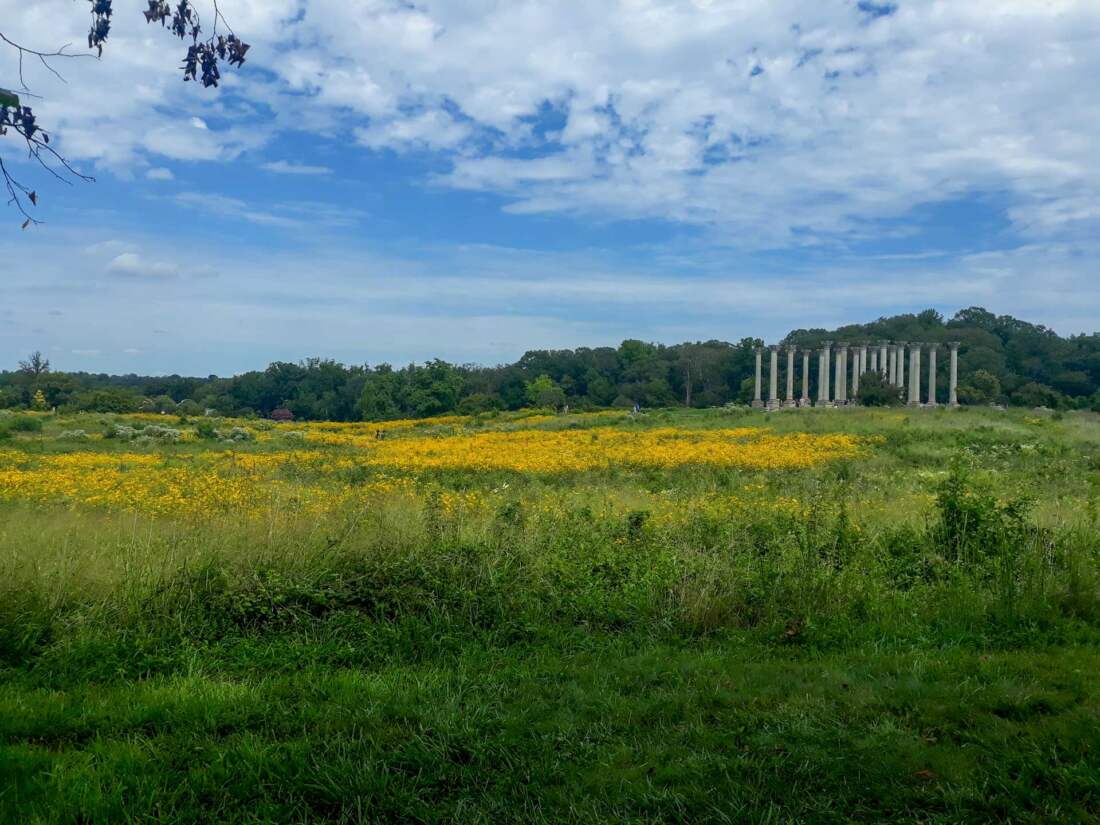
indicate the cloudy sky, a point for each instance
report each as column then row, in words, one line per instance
column 394, row 180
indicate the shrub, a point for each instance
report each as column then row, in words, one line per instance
column 973, row 524
column 189, row 407
column 156, row 432
column 74, row 435
column 876, row 391
column 121, row 432
column 148, row 435
column 24, row 424
column 1034, row 394
column 237, row 434
column 206, row 431
column 478, row 402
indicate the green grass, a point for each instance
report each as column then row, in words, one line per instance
column 923, row 647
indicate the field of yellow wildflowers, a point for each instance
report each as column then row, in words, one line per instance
column 840, row 615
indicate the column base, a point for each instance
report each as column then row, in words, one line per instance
column 773, row 405
column 790, row 404
column 758, row 404
column 912, row 403
column 805, row 402
column 930, row 405
column 954, row 406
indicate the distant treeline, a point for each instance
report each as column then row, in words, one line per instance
column 1002, row 360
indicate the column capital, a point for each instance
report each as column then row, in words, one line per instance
column 954, row 344
column 826, row 344
column 773, row 347
column 791, row 347
column 842, row 345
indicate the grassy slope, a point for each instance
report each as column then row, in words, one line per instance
column 574, row 728
column 853, row 700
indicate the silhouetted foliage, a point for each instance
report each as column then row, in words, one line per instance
column 201, row 62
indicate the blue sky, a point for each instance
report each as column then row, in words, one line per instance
column 393, row 181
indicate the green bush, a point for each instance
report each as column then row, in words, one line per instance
column 206, row 431
column 876, row 391
column 24, row 424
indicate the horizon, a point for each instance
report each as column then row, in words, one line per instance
column 733, row 342
column 389, row 183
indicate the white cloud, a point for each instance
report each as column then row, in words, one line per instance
column 133, row 264
column 290, row 215
column 159, row 173
column 774, row 124
column 284, row 167
column 427, row 130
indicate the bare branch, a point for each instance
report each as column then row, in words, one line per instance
column 17, row 192
column 43, row 57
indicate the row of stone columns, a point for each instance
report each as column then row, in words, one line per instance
column 888, row 360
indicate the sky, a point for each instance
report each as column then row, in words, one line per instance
column 393, row 181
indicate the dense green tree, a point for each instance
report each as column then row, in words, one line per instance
column 1000, row 359
column 981, row 387
column 111, row 400
column 545, row 392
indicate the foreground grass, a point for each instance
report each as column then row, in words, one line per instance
column 575, row 727
column 912, row 636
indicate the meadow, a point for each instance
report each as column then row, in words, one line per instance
column 717, row 615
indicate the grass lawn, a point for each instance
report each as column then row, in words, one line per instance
column 856, row 615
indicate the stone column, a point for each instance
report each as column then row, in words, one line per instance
column 756, row 401
column 882, row 349
column 789, row 401
column 952, row 396
column 862, row 359
column 932, row 375
column 914, row 375
column 840, row 383
column 873, row 365
column 823, row 375
column 891, row 363
column 856, row 361
column 900, row 374
column 773, row 379
column 805, row 400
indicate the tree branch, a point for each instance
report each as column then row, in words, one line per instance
column 43, row 57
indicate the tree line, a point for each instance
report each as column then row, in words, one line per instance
column 1002, row 360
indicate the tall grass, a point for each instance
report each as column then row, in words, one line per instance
column 976, row 568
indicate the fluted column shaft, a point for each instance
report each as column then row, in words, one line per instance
column 855, row 374
column 790, row 377
column 773, row 379
column 900, row 376
column 756, row 400
column 805, row 378
column 932, row 376
column 914, row 375
column 882, row 359
column 840, row 384
column 823, row 376
column 952, row 389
